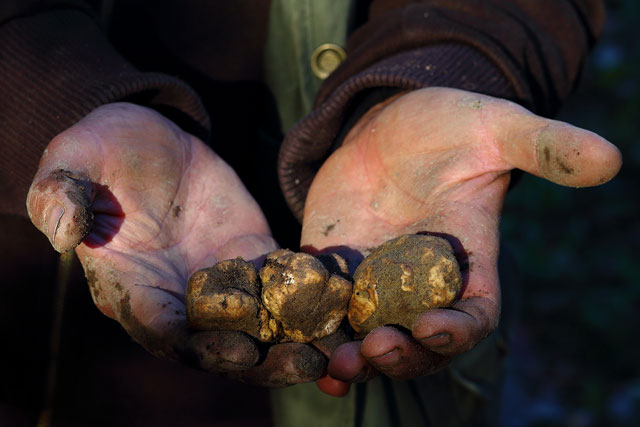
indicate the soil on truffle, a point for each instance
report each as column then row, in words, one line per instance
column 401, row 279
column 301, row 293
column 226, row 297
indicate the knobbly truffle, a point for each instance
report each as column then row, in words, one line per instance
column 299, row 292
column 226, row 297
column 294, row 297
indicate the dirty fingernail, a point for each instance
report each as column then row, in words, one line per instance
column 389, row 359
column 438, row 340
column 52, row 220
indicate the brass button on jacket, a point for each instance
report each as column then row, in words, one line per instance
column 326, row 58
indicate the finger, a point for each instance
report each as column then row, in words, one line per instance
column 327, row 345
column 553, row 150
column 458, row 329
column 59, row 205
column 333, row 387
column 398, row 356
column 285, row 364
column 61, row 193
column 348, row 364
column 220, row 351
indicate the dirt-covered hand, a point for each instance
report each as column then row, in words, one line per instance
column 145, row 205
column 438, row 160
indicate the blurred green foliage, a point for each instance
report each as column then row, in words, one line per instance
column 578, row 248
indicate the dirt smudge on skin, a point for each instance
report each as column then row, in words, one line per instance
column 556, row 159
column 309, row 364
column 114, row 300
column 138, row 331
column 563, row 167
column 102, row 297
column 92, row 281
column 77, row 193
column 125, row 308
column 221, row 209
column 557, row 163
column 329, row 228
column 473, row 102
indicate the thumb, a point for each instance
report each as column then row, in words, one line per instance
column 59, row 205
column 554, row 150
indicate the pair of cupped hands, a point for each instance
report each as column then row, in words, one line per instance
column 145, row 205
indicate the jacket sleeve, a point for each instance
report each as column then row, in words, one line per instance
column 531, row 52
column 56, row 66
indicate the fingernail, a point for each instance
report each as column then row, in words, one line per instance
column 389, row 359
column 52, row 220
column 362, row 375
column 438, row 340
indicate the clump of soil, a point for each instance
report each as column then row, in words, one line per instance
column 402, row 279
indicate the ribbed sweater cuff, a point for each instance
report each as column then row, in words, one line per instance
column 309, row 142
column 55, row 68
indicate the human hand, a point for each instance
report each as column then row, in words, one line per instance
column 437, row 160
column 148, row 205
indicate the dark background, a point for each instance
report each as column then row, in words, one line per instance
column 576, row 351
column 574, row 355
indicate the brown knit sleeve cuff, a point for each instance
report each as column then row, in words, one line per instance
column 55, row 68
column 309, row 142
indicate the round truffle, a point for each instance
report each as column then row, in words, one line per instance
column 402, row 279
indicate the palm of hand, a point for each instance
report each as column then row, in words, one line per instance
column 179, row 205
column 398, row 173
column 438, row 160
column 164, row 206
